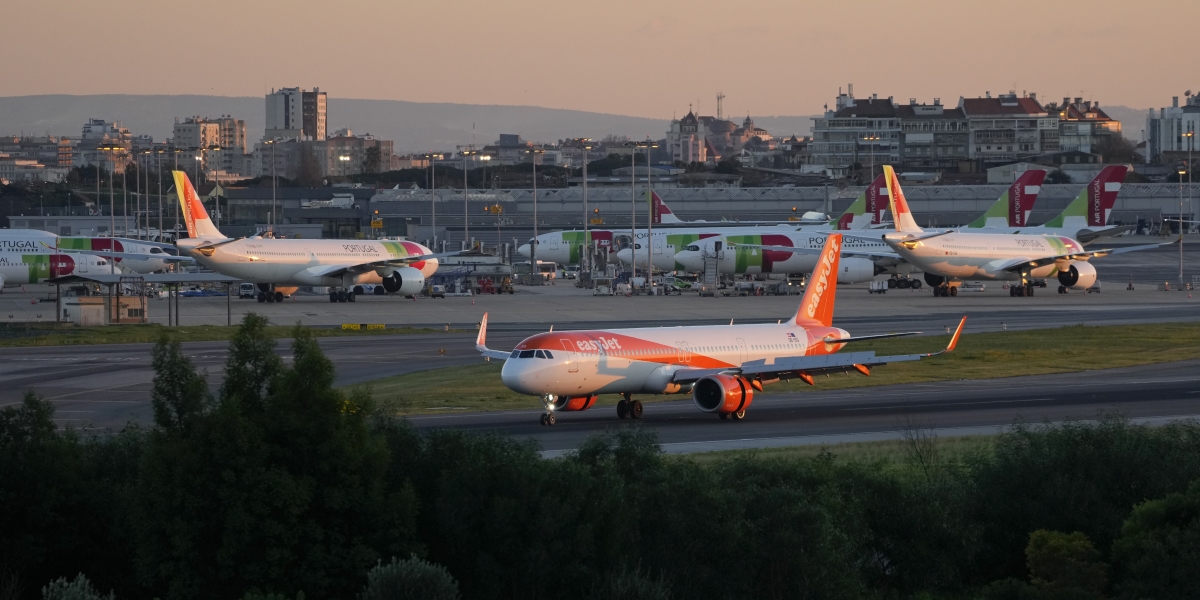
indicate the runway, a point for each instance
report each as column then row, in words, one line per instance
column 1152, row 393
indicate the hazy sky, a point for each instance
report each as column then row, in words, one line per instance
column 647, row 58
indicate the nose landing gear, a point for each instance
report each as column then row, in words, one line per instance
column 629, row 408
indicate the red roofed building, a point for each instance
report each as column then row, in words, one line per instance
column 1082, row 125
column 1007, row 128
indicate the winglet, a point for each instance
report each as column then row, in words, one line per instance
column 957, row 333
column 481, row 340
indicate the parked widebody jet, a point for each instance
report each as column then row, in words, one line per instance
column 275, row 264
column 950, row 257
column 720, row 366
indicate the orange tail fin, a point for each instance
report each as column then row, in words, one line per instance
column 817, row 305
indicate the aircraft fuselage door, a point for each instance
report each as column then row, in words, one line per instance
column 572, row 359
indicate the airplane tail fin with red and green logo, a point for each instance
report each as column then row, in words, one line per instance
column 1094, row 203
column 816, row 308
column 866, row 210
column 199, row 225
column 1012, row 208
column 660, row 211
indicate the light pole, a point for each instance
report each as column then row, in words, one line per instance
column 1181, row 229
column 1191, row 133
column 272, row 142
column 633, row 206
column 470, row 151
column 160, row 196
column 871, row 139
column 533, row 263
column 433, row 196
column 585, row 250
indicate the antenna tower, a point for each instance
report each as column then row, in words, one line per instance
column 720, row 101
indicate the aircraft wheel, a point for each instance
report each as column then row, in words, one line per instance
column 915, row 284
column 953, row 291
column 724, row 416
column 1062, row 289
column 333, row 296
column 341, row 295
column 739, row 415
column 262, row 297
column 635, row 409
column 891, row 283
column 279, row 296
column 543, row 419
column 1029, row 290
column 350, row 296
column 622, row 409
column 270, row 297
column 550, row 420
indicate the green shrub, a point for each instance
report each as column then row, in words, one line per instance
column 410, row 579
column 78, row 589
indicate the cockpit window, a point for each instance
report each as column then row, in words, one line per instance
column 548, row 354
column 527, row 354
column 156, row 250
column 541, row 354
column 515, row 354
column 693, row 248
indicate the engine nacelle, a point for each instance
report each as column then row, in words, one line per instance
column 722, row 394
column 404, row 280
column 857, row 270
column 573, row 403
column 1081, row 275
column 934, row 280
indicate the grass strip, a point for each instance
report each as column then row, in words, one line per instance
column 50, row 334
column 979, row 356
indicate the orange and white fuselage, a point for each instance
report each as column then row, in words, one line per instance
column 644, row 360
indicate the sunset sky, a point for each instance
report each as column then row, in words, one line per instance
column 643, row 58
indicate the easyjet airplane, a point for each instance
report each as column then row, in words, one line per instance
column 720, row 366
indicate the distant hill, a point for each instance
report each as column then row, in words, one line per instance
column 414, row 126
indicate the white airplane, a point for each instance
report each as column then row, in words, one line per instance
column 720, row 366
column 28, row 259
column 129, row 256
column 949, row 257
column 276, row 264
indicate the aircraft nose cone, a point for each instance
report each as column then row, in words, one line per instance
column 511, row 376
column 690, row 260
column 625, row 255
column 524, row 250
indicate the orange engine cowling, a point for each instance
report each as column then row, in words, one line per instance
column 722, row 394
column 572, row 403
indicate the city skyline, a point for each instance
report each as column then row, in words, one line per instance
column 764, row 64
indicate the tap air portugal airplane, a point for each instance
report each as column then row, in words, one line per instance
column 720, row 366
column 401, row 267
column 950, row 257
column 28, row 259
column 565, row 247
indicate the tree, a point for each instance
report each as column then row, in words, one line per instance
column 1057, row 176
column 1065, row 564
column 251, row 366
column 1158, row 551
column 729, row 166
column 179, row 394
column 77, row 589
column 410, row 579
column 1116, row 149
column 373, row 161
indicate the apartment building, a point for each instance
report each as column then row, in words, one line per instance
column 1008, row 128
column 858, row 131
column 296, row 114
column 934, row 137
column 1167, row 130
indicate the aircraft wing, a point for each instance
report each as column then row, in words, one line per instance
column 871, row 254
column 362, row 267
column 819, row 364
column 128, row 255
column 1018, row 264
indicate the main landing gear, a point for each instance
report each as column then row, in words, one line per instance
column 1023, row 289
column 736, row 416
column 342, row 296
column 267, row 293
column 628, row 408
column 945, row 290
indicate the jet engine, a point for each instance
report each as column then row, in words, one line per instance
column 403, row 280
column 857, row 270
column 573, row 403
column 723, row 394
column 934, row 280
column 1080, row 275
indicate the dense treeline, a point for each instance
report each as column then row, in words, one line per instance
column 279, row 486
